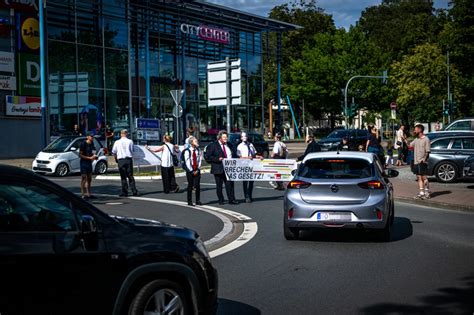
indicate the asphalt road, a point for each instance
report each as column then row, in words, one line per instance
column 427, row 268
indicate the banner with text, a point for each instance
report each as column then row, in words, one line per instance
column 23, row 106
column 258, row 170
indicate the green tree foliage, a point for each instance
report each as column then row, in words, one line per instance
column 420, row 82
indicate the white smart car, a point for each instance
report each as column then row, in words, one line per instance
column 61, row 157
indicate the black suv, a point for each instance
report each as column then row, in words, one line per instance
column 256, row 139
column 61, row 255
column 355, row 136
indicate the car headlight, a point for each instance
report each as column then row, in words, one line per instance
column 52, row 157
column 201, row 248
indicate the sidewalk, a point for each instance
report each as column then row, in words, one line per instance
column 456, row 196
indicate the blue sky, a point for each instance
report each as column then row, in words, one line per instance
column 344, row 12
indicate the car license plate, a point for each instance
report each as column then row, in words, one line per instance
column 41, row 166
column 333, row 216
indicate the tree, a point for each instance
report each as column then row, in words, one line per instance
column 420, row 83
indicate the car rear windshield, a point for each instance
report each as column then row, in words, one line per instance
column 334, row 168
column 58, row 145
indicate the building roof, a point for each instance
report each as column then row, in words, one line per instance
column 230, row 14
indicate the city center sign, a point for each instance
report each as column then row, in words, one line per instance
column 207, row 33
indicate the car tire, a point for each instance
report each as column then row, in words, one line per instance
column 62, row 170
column 446, row 172
column 101, row 167
column 291, row 234
column 384, row 235
column 169, row 293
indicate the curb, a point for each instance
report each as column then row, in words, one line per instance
column 435, row 204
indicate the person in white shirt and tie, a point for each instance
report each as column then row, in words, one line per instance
column 192, row 157
column 246, row 150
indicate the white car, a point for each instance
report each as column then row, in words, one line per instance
column 61, row 157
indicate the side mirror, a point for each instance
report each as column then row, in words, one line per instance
column 73, row 149
column 293, row 172
column 392, row 173
column 88, row 225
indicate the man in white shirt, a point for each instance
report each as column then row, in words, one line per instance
column 280, row 151
column 246, row 150
column 192, row 157
column 123, row 153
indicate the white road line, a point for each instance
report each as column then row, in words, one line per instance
column 259, row 187
column 249, row 231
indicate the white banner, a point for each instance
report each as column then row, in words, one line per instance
column 142, row 156
column 7, row 61
column 258, row 170
column 23, row 106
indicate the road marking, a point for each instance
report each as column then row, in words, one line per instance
column 249, row 231
column 259, row 187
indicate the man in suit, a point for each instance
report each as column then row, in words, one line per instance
column 215, row 153
column 313, row 146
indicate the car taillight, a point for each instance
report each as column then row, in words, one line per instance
column 373, row 184
column 298, row 184
column 379, row 214
column 291, row 212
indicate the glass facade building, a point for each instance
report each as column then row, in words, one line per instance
column 112, row 61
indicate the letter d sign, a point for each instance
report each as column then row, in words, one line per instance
column 32, row 71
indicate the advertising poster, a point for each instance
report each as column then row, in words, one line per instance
column 259, row 170
column 7, row 83
column 23, row 106
column 29, row 75
column 7, row 61
column 28, row 34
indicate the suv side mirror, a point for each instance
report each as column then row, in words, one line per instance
column 73, row 149
column 392, row 173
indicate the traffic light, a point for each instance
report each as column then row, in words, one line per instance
column 352, row 110
column 453, row 106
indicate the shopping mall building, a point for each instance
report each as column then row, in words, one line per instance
column 112, row 61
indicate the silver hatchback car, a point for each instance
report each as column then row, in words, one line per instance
column 340, row 190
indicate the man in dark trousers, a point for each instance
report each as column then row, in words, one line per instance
column 123, row 152
column 215, row 153
column 313, row 146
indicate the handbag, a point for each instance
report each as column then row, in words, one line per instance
column 173, row 156
column 399, row 143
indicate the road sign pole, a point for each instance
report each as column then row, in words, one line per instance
column 229, row 91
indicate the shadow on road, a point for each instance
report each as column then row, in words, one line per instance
column 447, row 300
column 402, row 229
column 440, row 193
column 237, row 308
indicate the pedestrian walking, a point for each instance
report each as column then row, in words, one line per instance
column 192, row 159
column 215, row 153
column 87, row 155
column 109, row 138
column 280, row 151
column 246, row 150
column 313, row 146
column 401, row 145
column 389, row 157
column 123, row 153
column 372, row 145
column 421, row 149
column 169, row 154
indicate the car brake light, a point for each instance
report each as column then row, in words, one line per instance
column 379, row 214
column 373, row 184
column 298, row 184
column 291, row 213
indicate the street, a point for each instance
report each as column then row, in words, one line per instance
column 428, row 267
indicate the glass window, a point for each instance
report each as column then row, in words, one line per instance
column 61, row 57
column 335, row 168
column 460, row 125
column 89, row 27
column 118, row 109
column 26, row 207
column 61, row 21
column 468, row 144
column 440, row 144
column 456, row 144
column 116, row 69
column 115, row 33
column 90, row 63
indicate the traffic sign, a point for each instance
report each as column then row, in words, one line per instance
column 147, row 123
column 177, row 95
column 393, row 105
column 139, row 134
column 177, row 111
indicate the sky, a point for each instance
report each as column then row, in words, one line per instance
column 344, row 12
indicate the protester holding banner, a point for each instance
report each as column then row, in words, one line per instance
column 215, row 153
column 280, row 151
column 168, row 156
column 246, row 150
column 192, row 158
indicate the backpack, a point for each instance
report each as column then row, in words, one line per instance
column 182, row 159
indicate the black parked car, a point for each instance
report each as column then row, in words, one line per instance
column 61, row 255
column 256, row 139
column 355, row 136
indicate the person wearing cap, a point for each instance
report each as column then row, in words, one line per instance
column 87, row 155
column 123, row 153
column 246, row 150
column 280, row 151
column 313, row 146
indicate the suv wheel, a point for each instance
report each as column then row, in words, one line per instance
column 62, row 169
column 160, row 297
column 446, row 172
column 291, row 233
